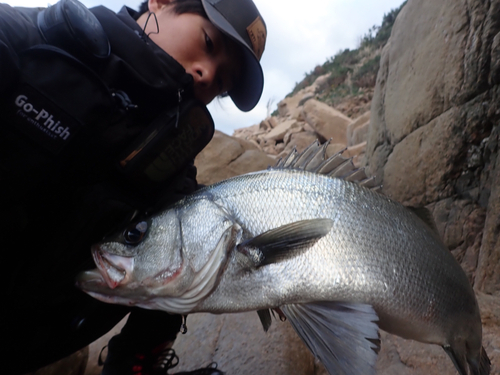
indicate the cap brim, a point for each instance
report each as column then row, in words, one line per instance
column 247, row 92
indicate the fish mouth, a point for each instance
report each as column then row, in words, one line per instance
column 112, row 269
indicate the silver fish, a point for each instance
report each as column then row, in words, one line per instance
column 338, row 259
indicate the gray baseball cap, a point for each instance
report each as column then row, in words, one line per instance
column 241, row 21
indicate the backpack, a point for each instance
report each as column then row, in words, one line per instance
column 64, row 122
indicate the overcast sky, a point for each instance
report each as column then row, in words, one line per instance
column 301, row 35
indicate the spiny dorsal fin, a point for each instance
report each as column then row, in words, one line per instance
column 313, row 159
column 305, row 157
column 287, row 160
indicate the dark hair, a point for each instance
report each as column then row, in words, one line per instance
column 180, row 7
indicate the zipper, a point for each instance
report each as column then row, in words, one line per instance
column 179, row 100
column 123, row 100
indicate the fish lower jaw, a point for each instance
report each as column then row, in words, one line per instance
column 90, row 277
column 113, row 268
column 111, row 299
column 91, row 282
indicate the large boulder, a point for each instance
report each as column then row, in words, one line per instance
column 357, row 130
column 326, row 121
column 434, row 135
column 434, row 124
column 227, row 156
column 279, row 132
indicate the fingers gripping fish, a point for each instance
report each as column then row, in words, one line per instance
column 312, row 238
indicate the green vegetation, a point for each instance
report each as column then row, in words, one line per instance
column 353, row 71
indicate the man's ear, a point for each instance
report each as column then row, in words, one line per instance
column 156, row 5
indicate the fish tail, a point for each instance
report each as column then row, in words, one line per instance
column 466, row 364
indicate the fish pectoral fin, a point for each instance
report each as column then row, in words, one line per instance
column 279, row 243
column 343, row 336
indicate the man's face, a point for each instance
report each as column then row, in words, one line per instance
column 210, row 57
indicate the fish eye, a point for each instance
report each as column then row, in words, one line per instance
column 135, row 233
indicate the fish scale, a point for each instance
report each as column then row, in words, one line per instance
column 263, row 192
column 339, row 259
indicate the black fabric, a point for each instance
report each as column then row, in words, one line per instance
column 56, row 202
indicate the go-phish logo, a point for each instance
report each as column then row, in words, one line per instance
column 41, row 118
column 43, row 121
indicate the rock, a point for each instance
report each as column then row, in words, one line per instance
column 434, row 137
column 357, row 153
column 359, row 134
column 358, row 129
column 264, row 125
column 226, row 157
column 268, row 124
column 326, row 121
column 490, row 316
column 305, row 98
column 434, row 127
column 399, row 356
column 460, row 224
column 240, row 346
column 280, row 130
column 361, row 121
column 248, row 144
column 334, row 148
column 246, row 132
column 424, row 159
column 320, row 83
column 488, row 267
column 250, row 161
column 295, row 129
column 287, row 106
column 300, row 141
column 212, row 163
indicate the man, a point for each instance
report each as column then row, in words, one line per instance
column 103, row 114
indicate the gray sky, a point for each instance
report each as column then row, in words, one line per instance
column 301, row 35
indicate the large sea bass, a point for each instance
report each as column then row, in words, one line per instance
column 338, row 259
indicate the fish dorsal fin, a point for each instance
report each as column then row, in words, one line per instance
column 343, row 336
column 304, row 158
column 282, row 242
column 313, row 159
column 288, row 160
column 426, row 216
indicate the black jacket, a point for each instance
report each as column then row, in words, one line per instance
column 151, row 81
column 55, row 205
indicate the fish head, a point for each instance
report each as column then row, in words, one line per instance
column 169, row 261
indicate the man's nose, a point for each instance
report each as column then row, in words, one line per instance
column 204, row 74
